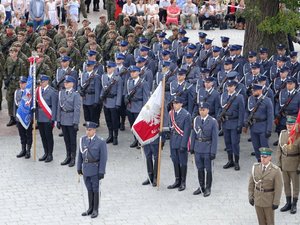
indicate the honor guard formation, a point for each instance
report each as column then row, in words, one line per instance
column 212, row 88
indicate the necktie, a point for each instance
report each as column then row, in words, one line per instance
column 264, row 169
column 289, row 94
column 229, row 96
column 43, row 90
column 67, row 92
column 175, row 114
column 202, row 121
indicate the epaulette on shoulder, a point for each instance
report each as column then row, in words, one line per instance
column 274, row 166
column 256, row 164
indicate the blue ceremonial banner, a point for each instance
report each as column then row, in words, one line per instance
column 24, row 113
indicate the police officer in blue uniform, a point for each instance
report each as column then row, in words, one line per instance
column 182, row 49
column 145, row 73
column 252, row 77
column 25, row 134
column 275, row 69
column 166, row 57
column 293, row 64
column 137, row 93
column 200, row 45
column 204, row 144
column 208, row 95
column 46, row 120
column 215, row 62
column 157, row 46
column 192, row 69
column 225, row 47
column 91, row 163
column 264, row 60
column 63, row 71
column 150, row 64
column 91, row 56
column 221, row 76
column 259, row 118
column 68, row 117
column 182, row 88
column 180, row 121
column 232, row 118
column 262, row 80
column 281, row 52
column 111, row 96
column 288, row 104
column 252, row 59
column 205, row 53
column 124, row 74
column 129, row 59
column 90, row 89
column 280, row 82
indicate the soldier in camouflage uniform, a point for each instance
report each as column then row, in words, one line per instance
column 21, row 55
column 115, row 48
column 93, row 46
column 91, row 38
column 111, row 8
column 60, row 35
column 174, row 35
column 82, row 40
column 42, row 67
column 42, row 33
column 150, row 35
column 126, row 28
column 62, row 51
column 74, row 54
column 31, row 35
column 138, row 32
column 101, row 29
column 22, row 26
column 14, row 68
column 108, row 46
column 7, row 39
column 132, row 43
column 51, row 31
column 2, row 63
column 41, row 50
column 80, row 32
column 49, row 51
column 63, row 41
column 25, row 48
column 111, row 26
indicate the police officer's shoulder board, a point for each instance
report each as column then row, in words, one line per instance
column 274, row 166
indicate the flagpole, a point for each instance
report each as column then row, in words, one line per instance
column 161, row 129
column 33, row 63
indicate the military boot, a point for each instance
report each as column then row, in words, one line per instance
column 183, row 170
column 110, row 137
column 122, row 124
column 27, row 155
column 287, row 205
column 294, row 206
column 44, row 157
column 208, row 184
column 11, row 122
column 95, row 205
column 201, row 189
column 154, row 183
column 177, row 177
column 230, row 162
column 23, row 152
column 115, row 137
column 72, row 161
column 49, row 157
column 150, row 172
column 91, row 204
column 236, row 162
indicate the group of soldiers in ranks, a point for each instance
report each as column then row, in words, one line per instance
column 210, row 89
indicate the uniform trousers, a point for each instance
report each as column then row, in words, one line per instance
column 70, row 138
column 203, row 161
column 45, row 129
column 232, row 141
column 258, row 140
column 91, row 183
column 25, row 135
column 265, row 215
column 151, row 151
column 131, row 117
column 112, row 118
column 291, row 178
column 90, row 113
column 179, row 157
column 122, row 110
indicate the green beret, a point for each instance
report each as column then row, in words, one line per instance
column 30, row 24
column 290, row 119
column 46, row 22
column 265, row 151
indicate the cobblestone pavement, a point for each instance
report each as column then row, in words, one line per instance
column 38, row 193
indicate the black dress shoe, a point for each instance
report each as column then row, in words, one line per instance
column 72, row 163
column 49, row 158
column 175, row 185
column 197, row 192
column 249, row 140
column 221, row 133
column 22, row 153
column 61, row 134
column 109, row 139
column 181, row 187
column 134, row 144
column 206, row 192
column 27, row 155
column 11, row 122
column 66, row 161
column 43, row 158
column 252, row 153
column 115, row 141
column 275, row 143
column 146, row 182
column 84, row 124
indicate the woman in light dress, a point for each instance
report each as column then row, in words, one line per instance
column 140, row 12
column 51, row 12
column 152, row 11
column 19, row 7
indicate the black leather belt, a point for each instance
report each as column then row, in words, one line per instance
column 67, row 111
column 264, row 190
column 91, row 161
column 291, row 155
column 259, row 120
column 203, row 139
column 90, row 93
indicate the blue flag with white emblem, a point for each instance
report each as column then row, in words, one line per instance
column 24, row 113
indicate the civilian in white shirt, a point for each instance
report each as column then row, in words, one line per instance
column 207, row 12
column 2, row 14
column 7, row 6
column 129, row 10
column 163, row 5
column 189, row 12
